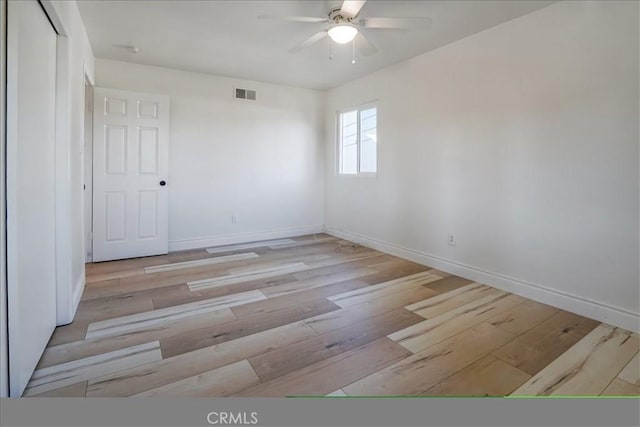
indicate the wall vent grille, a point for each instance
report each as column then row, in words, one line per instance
column 245, row 94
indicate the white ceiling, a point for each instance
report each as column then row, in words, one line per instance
column 226, row 38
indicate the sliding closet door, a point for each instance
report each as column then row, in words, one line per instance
column 31, row 273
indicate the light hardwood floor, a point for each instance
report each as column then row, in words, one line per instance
column 315, row 316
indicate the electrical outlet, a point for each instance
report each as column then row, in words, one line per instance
column 234, row 219
column 451, row 239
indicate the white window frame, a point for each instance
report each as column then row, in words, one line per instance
column 338, row 128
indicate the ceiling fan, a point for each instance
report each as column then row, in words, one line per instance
column 345, row 26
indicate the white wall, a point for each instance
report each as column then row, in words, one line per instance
column 522, row 141
column 75, row 59
column 261, row 161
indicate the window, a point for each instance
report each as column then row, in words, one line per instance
column 357, row 141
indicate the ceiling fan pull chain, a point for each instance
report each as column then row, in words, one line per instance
column 353, row 51
column 330, row 49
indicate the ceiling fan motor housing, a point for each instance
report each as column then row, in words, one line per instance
column 337, row 18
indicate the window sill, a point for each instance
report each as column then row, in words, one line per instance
column 357, row 175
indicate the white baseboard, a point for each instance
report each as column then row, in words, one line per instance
column 68, row 315
column 612, row 315
column 231, row 239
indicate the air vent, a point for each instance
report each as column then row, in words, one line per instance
column 245, row 94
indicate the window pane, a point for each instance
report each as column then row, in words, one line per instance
column 350, row 159
column 349, row 142
column 368, row 140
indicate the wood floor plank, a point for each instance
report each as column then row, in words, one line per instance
column 128, row 285
column 448, row 284
column 337, row 262
column 136, row 321
column 176, row 287
column 121, row 304
column 219, row 382
column 394, row 269
column 121, row 290
column 242, row 246
column 354, row 313
column 96, row 272
column 275, row 304
column 156, row 374
column 619, row 387
column 73, row 390
column 631, row 372
column 75, row 331
column 376, row 291
column 275, row 268
column 327, row 375
column 523, row 317
column 302, row 285
column 184, row 255
column 417, row 373
column 58, row 376
column 124, row 265
column 99, row 309
column 428, row 332
column 299, row 243
column 200, row 262
column 486, row 377
column 100, row 288
column 93, row 275
column 192, row 296
column 444, row 302
column 216, row 334
column 272, row 265
column 373, row 262
column 101, row 271
column 143, row 282
column 341, row 258
column 258, row 273
column 587, row 367
column 303, row 353
column 540, row 345
column 91, row 347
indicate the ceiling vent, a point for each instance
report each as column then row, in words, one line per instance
column 245, row 94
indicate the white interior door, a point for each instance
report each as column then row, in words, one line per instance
column 31, row 267
column 130, row 165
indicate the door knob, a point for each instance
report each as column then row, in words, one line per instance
column 163, row 183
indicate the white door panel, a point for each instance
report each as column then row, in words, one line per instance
column 130, row 160
column 31, row 264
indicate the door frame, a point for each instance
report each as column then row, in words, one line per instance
column 68, row 292
column 4, row 326
column 87, row 164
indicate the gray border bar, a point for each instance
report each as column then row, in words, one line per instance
column 321, row 412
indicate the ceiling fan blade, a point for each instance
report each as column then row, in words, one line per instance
column 311, row 19
column 351, row 8
column 395, row 23
column 310, row 41
column 364, row 46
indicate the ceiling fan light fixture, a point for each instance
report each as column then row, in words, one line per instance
column 343, row 33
